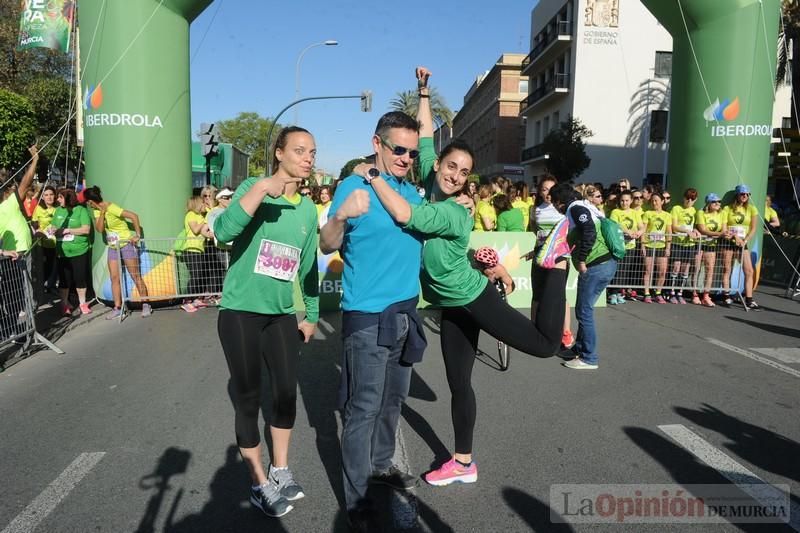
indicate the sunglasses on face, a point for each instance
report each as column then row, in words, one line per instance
column 667, row 198
column 399, row 150
column 637, row 197
column 206, row 196
column 744, row 194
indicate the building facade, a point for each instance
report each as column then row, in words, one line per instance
column 489, row 120
column 608, row 64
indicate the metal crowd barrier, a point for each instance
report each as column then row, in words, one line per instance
column 171, row 270
column 632, row 274
column 17, row 308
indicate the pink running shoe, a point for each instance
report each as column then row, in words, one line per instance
column 660, row 299
column 648, row 299
column 452, row 472
column 696, row 300
column 555, row 246
column 85, row 309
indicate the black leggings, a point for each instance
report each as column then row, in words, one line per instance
column 246, row 339
column 461, row 327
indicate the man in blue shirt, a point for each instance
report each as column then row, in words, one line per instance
column 381, row 331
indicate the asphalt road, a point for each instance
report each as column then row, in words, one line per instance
column 132, row 429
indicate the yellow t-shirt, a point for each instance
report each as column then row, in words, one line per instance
column 712, row 221
column 484, row 209
column 525, row 207
column 657, row 225
column 630, row 220
column 195, row 242
column 738, row 219
column 769, row 214
column 15, row 234
column 683, row 222
column 116, row 226
column 43, row 216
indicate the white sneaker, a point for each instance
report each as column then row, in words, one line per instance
column 579, row 364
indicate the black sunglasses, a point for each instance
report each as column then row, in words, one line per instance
column 637, row 197
column 399, row 150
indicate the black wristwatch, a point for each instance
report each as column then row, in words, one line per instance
column 372, row 174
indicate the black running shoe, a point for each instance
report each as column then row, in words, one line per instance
column 287, row 486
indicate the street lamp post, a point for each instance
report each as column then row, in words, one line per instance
column 329, row 42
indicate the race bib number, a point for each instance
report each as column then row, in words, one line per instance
column 739, row 231
column 112, row 238
column 277, row 260
column 658, row 237
column 684, row 229
column 68, row 237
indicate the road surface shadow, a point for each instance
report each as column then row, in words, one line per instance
column 534, row 512
column 687, row 470
column 772, row 328
column 756, row 445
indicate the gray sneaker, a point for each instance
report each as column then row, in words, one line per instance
column 287, row 486
column 267, row 498
column 146, row 310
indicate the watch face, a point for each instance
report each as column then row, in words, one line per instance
column 374, row 172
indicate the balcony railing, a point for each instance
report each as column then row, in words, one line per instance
column 532, row 152
column 559, row 81
column 563, row 27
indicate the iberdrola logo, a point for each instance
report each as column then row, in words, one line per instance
column 727, row 110
column 94, row 97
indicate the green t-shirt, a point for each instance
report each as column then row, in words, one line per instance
column 277, row 243
column 712, row 221
column 511, row 220
column 683, row 223
column 72, row 245
column 629, row 220
column 657, row 226
column 448, row 279
column 15, row 234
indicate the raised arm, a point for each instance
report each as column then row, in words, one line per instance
column 30, row 172
column 424, row 115
column 396, row 205
column 331, row 235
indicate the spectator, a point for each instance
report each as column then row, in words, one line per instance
column 31, row 201
column 771, row 221
column 220, row 249
column 741, row 218
column 324, row 197
column 42, row 218
column 485, row 215
column 596, row 267
column 508, row 218
column 15, row 234
column 192, row 252
column 630, row 221
column 711, row 224
column 523, row 201
column 637, row 201
column 111, row 221
column 72, row 223
column 656, row 246
column 684, row 250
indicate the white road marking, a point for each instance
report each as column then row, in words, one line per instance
column 53, row 494
column 746, row 480
column 784, row 355
column 755, row 357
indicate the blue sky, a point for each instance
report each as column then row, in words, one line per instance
column 246, row 62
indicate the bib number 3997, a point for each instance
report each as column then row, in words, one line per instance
column 277, row 260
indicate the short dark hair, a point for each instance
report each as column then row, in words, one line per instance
column 92, row 194
column 564, row 193
column 395, row 119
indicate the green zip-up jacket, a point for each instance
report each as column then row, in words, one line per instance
column 291, row 222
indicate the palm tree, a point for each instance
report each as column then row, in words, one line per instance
column 407, row 102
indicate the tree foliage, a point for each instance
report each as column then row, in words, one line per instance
column 18, row 127
column 408, row 103
column 248, row 132
column 566, row 150
column 348, row 167
column 50, row 98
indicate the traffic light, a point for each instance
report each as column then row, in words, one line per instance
column 366, row 101
column 209, row 139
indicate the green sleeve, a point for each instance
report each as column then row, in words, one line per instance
column 441, row 219
column 427, row 156
column 232, row 222
column 84, row 219
column 309, row 273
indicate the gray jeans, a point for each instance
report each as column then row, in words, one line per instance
column 378, row 386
